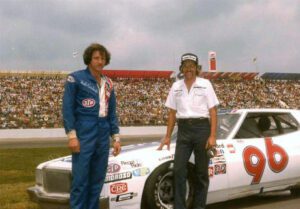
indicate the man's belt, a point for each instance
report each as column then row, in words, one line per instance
column 192, row 121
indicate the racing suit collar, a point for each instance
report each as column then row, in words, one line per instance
column 90, row 76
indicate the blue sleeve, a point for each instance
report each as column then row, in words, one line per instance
column 112, row 114
column 68, row 109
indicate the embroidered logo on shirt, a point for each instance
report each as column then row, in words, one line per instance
column 199, row 87
column 178, row 92
column 71, row 79
column 88, row 102
column 89, row 85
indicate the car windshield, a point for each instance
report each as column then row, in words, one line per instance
column 226, row 123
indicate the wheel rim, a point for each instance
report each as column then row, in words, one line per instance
column 165, row 190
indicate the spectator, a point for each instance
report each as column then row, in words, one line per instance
column 34, row 100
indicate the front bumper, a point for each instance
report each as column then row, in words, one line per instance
column 57, row 202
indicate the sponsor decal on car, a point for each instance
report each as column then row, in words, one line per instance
column 118, row 188
column 220, row 169
column 132, row 163
column 118, row 177
column 220, row 152
column 113, row 168
column 210, row 171
column 220, row 159
column 123, row 197
column 141, row 171
column 220, row 146
column 231, row 148
column 89, row 102
column 168, row 157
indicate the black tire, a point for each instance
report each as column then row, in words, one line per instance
column 158, row 190
column 295, row 191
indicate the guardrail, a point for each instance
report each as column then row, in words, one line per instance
column 56, row 137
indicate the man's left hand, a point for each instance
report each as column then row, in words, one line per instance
column 211, row 142
column 117, row 148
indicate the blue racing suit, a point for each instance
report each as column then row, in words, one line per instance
column 81, row 115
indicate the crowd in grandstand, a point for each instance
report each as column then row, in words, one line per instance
column 30, row 101
column 258, row 93
column 34, row 101
column 141, row 101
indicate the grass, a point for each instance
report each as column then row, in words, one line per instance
column 17, row 173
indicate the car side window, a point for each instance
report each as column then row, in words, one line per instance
column 287, row 123
column 267, row 126
column 226, row 122
column 259, row 125
column 248, row 129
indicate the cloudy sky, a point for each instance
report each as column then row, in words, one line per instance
column 151, row 34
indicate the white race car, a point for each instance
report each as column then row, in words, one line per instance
column 258, row 150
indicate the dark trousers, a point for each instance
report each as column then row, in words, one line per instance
column 191, row 137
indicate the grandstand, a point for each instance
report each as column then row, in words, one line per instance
column 34, row 99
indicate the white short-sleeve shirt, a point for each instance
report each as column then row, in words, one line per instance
column 193, row 104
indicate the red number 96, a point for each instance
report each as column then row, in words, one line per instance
column 255, row 161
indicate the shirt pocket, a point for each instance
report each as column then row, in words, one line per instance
column 178, row 97
column 199, row 98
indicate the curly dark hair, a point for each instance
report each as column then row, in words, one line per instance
column 88, row 53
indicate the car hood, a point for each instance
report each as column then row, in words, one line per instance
column 134, row 147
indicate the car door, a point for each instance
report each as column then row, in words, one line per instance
column 246, row 165
column 218, row 178
column 218, row 165
column 258, row 158
column 282, row 152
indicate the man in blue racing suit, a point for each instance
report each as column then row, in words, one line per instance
column 89, row 114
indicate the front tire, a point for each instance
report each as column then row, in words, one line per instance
column 295, row 191
column 158, row 190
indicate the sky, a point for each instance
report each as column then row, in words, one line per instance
column 51, row 35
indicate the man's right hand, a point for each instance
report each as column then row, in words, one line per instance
column 74, row 145
column 165, row 141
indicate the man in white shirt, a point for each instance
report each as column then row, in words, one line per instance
column 192, row 101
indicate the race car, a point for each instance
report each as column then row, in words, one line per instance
column 258, row 150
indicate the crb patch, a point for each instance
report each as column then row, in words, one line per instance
column 71, row 79
column 118, row 188
column 89, row 102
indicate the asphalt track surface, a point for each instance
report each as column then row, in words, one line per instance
column 275, row 200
